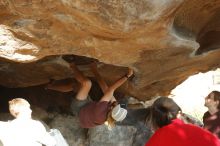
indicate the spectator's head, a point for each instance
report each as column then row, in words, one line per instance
column 213, row 99
column 163, row 111
column 20, row 107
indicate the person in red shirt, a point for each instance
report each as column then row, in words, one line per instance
column 211, row 118
column 93, row 113
column 170, row 130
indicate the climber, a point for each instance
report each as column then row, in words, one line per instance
column 93, row 113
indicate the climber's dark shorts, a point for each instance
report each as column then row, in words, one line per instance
column 76, row 105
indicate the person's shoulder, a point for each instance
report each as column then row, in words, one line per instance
column 37, row 123
column 172, row 127
column 102, row 103
column 206, row 114
column 161, row 134
column 39, row 126
column 3, row 124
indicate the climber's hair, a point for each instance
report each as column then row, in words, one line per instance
column 16, row 105
column 110, row 122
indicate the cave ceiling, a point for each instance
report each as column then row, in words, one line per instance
column 163, row 41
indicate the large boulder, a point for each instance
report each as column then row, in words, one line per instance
column 163, row 41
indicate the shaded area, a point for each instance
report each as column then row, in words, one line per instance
column 55, row 112
column 208, row 42
column 37, row 96
column 199, row 20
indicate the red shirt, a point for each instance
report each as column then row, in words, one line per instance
column 180, row 134
column 212, row 123
column 94, row 113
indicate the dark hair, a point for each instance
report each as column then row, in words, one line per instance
column 216, row 95
column 163, row 111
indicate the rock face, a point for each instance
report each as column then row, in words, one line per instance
column 163, row 41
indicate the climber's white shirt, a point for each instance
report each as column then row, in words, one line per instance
column 24, row 132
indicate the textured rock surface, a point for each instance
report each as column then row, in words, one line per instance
column 121, row 135
column 52, row 108
column 69, row 127
column 164, row 41
column 118, row 136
